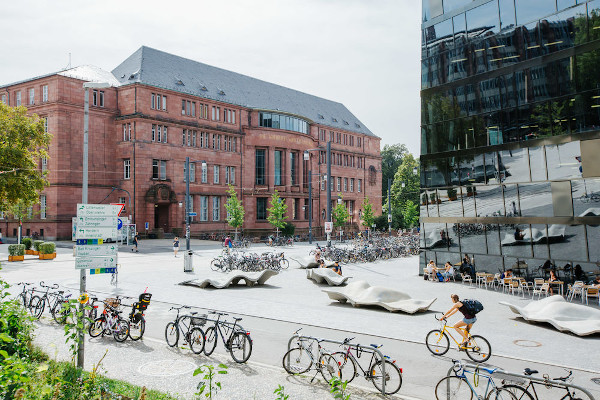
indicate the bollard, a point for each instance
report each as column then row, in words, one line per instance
column 188, row 265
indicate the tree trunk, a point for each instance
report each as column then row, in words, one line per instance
column 236, row 234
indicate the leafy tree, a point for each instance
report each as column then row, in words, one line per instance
column 368, row 217
column 410, row 191
column 391, row 158
column 410, row 214
column 340, row 215
column 276, row 213
column 23, row 144
column 288, row 229
column 235, row 210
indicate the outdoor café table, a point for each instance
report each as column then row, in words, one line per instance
column 560, row 285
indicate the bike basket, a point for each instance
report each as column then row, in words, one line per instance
column 144, row 301
column 112, row 302
column 199, row 321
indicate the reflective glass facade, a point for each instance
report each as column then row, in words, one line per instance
column 510, row 100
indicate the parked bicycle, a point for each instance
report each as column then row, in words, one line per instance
column 235, row 339
column 26, row 294
column 348, row 361
column 460, row 387
column 300, row 359
column 54, row 300
column 528, row 391
column 587, row 197
column 189, row 326
column 477, row 348
column 137, row 322
column 110, row 322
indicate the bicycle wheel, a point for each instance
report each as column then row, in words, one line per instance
column 171, row 334
column 479, row 349
column 97, row 327
column 453, row 387
column 347, row 364
column 393, row 377
column 210, row 340
column 137, row 329
column 297, row 361
column 500, row 394
column 215, row 265
column 329, row 368
column 520, row 393
column 60, row 313
column 437, row 342
column 284, row 264
column 196, row 340
column 584, row 198
column 121, row 330
column 240, row 347
column 36, row 306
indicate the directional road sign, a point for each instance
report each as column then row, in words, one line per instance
column 96, row 233
column 94, row 210
column 101, row 221
column 192, row 214
column 119, row 224
column 95, row 262
column 96, row 251
column 103, row 271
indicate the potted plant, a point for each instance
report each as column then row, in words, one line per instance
column 452, row 194
column 28, row 242
column 471, row 190
column 36, row 246
column 47, row 251
column 424, row 199
column 16, row 252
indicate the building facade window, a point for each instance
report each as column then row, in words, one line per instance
column 230, row 175
column 204, row 140
column 202, row 111
column 351, row 184
column 259, row 167
column 216, row 174
column 31, row 96
column 45, row 93
column 98, row 98
column 204, row 169
column 339, row 184
column 44, row 163
column 43, row 206
column 216, row 208
column 159, row 133
column 127, row 132
column 229, row 116
column 159, row 169
column 345, row 184
column 18, row 98
column 45, row 124
column 126, row 168
column 203, row 208
column 359, row 186
column 277, row 163
column 216, row 113
column 294, row 168
column 188, row 108
column 4, row 99
column 284, row 122
column 261, row 208
column 192, row 172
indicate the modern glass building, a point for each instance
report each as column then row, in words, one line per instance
column 510, row 145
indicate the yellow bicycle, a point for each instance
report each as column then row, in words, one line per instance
column 477, row 348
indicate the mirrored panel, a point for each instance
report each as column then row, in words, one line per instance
column 537, row 162
column 540, row 248
column 561, row 161
column 432, row 203
column 472, row 237
column 453, row 238
column 423, row 206
column 471, row 169
column 436, row 236
column 450, row 205
column 422, row 236
column 493, row 238
column 567, row 242
column 535, row 199
column 491, row 173
column 513, row 166
column 468, row 200
column 489, row 201
column 593, row 241
column 529, row 268
column 511, row 201
column 517, row 239
column 530, row 10
column 489, row 264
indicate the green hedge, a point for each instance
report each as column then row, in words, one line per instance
column 47, row 247
column 28, row 242
column 36, row 244
column 16, row 249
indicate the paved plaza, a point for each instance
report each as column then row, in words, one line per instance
column 289, row 301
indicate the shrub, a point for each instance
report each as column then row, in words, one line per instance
column 36, row 244
column 16, row 249
column 288, row 229
column 47, row 247
column 27, row 242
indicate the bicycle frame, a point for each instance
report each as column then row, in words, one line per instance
column 228, row 327
column 366, row 372
column 476, row 376
column 446, row 329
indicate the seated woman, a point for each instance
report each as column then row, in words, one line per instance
column 553, row 278
column 596, row 281
column 318, row 256
column 337, row 268
column 519, row 235
column 507, row 274
column 431, row 269
column 448, row 272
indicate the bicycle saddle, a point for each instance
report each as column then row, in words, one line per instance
column 237, row 319
column 194, row 312
column 528, row 371
column 61, row 291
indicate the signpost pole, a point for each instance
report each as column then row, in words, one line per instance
column 329, row 183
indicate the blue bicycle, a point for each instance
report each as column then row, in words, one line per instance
column 460, row 387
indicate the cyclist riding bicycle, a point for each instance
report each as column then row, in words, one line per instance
column 468, row 320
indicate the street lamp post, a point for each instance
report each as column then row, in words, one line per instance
column 389, row 207
column 307, row 158
column 329, row 190
column 84, row 200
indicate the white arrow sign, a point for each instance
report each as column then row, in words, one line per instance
column 95, row 262
column 94, row 210
column 96, row 251
column 96, row 233
column 91, row 222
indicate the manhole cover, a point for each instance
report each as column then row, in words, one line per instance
column 596, row 381
column 527, row 343
column 166, row 368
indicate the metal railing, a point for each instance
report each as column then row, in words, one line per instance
column 358, row 347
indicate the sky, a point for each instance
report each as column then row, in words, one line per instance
column 362, row 53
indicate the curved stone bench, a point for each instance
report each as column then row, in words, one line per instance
column 360, row 293
column 319, row 275
column 306, row 262
column 563, row 315
column 555, row 233
column 233, row 278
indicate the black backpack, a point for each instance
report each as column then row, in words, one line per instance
column 473, row 306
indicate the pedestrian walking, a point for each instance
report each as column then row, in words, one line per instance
column 136, row 239
column 176, row 245
column 228, row 244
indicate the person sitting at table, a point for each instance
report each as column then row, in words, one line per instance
column 596, row 281
column 578, row 273
column 318, row 256
column 466, row 267
column 553, row 278
column 431, row 269
column 507, row 274
column 448, row 272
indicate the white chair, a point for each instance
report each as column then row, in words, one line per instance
column 506, row 284
column 526, row 286
column 544, row 289
column 576, row 290
column 467, row 278
column 497, row 281
column 592, row 292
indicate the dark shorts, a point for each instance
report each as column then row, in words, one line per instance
column 469, row 321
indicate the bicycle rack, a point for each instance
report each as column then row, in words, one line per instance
column 542, row 381
column 367, row 349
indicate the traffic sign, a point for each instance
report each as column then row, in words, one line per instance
column 96, row 251
column 147, row 225
column 103, row 271
column 96, row 233
column 100, row 221
column 192, row 214
column 328, row 227
column 95, row 262
column 89, row 241
column 94, row 210
column 119, row 224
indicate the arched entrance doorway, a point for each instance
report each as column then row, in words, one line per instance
column 162, row 198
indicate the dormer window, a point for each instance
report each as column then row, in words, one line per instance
column 346, row 123
column 321, row 116
column 334, row 120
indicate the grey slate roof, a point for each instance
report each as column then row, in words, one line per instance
column 168, row 71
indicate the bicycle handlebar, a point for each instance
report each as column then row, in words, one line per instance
column 53, row 286
column 25, row 283
column 217, row 313
column 564, row 378
column 348, row 340
column 178, row 308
